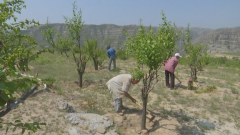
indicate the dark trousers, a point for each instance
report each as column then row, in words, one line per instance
column 167, row 73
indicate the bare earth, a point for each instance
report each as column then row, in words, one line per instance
column 172, row 118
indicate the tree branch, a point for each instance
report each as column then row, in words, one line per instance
column 15, row 104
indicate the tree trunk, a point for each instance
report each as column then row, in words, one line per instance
column 95, row 64
column 144, row 112
column 66, row 54
column 195, row 75
column 80, row 79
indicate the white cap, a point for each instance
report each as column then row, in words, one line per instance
column 177, row 54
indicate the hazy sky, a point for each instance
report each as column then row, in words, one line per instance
column 199, row 13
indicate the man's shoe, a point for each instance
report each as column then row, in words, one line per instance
column 120, row 113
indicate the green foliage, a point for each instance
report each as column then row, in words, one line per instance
column 24, row 126
column 49, row 81
column 17, row 52
column 150, row 49
column 102, row 57
column 224, row 61
column 72, row 43
column 197, row 56
column 122, row 54
column 137, row 73
column 98, row 55
column 207, row 89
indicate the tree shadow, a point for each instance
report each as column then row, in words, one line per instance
column 181, row 87
column 86, row 83
column 127, row 110
column 184, row 129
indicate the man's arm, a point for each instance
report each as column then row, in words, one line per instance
column 129, row 96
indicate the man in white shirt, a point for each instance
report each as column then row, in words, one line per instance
column 119, row 87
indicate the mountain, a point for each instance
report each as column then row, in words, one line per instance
column 220, row 40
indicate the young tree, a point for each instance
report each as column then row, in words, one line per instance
column 74, row 26
column 15, row 55
column 150, row 49
column 197, row 56
column 98, row 55
column 61, row 44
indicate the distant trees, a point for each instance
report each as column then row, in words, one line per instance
column 72, row 43
column 196, row 55
column 98, row 55
column 150, row 49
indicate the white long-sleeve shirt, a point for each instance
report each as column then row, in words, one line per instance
column 118, row 84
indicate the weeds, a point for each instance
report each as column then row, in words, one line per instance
column 207, row 89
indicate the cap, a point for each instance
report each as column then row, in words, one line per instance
column 177, row 54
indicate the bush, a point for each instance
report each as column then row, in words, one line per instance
column 218, row 61
column 49, row 81
column 121, row 54
column 224, row 61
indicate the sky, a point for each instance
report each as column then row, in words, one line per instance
column 212, row 14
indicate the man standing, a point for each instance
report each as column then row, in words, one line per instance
column 169, row 69
column 112, row 56
column 119, row 87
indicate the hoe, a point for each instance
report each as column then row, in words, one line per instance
column 153, row 116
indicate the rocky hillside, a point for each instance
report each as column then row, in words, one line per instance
column 220, row 40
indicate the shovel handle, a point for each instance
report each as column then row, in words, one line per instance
column 177, row 78
column 142, row 107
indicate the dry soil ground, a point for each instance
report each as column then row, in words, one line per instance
column 178, row 111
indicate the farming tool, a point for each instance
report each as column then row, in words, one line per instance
column 153, row 116
column 178, row 80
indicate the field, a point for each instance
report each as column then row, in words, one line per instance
column 215, row 99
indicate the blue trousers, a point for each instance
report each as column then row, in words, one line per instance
column 110, row 62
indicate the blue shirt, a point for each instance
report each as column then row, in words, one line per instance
column 111, row 53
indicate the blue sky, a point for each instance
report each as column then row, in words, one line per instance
column 199, row 13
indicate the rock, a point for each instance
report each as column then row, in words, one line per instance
column 84, row 127
column 93, row 121
column 101, row 130
column 64, row 105
column 74, row 131
column 205, row 124
column 111, row 132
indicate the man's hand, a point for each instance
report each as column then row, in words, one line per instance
column 130, row 97
column 134, row 101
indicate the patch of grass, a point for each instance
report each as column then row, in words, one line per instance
column 118, row 131
column 228, row 98
column 234, row 90
column 43, row 60
column 175, row 93
column 116, row 70
column 207, row 89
